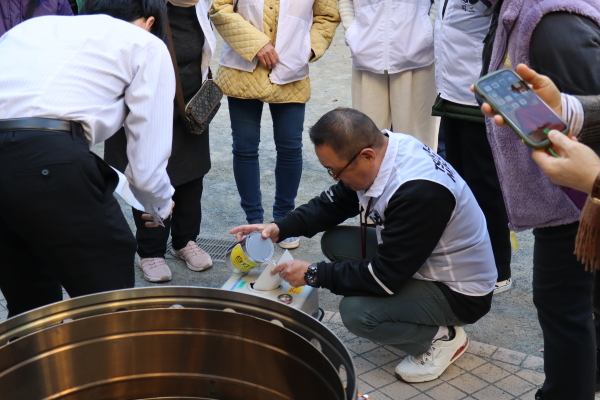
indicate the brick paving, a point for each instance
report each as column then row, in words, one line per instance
column 484, row 372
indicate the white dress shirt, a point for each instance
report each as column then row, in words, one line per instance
column 104, row 73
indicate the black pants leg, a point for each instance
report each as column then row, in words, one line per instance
column 59, row 221
column 184, row 224
column 469, row 152
column 562, row 292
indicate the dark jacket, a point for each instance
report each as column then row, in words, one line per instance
column 590, row 132
column 12, row 12
column 190, row 154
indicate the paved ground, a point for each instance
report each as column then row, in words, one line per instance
column 503, row 361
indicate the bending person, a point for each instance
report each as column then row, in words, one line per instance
column 72, row 82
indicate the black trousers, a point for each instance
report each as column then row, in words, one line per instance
column 469, row 152
column 562, row 292
column 59, row 222
column 184, row 224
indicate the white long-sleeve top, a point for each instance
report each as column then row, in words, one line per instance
column 346, row 8
column 388, row 35
column 104, row 73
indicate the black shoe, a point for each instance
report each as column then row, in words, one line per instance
column 538, row 395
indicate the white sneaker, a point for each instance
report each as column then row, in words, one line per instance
column 290, row 243
column 431, row 364
column 503, row 286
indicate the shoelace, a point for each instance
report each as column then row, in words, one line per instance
column 195, row 250
column 152, row 264
column 427, row 357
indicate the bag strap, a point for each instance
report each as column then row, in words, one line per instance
column 30, row 9
column 178, row 88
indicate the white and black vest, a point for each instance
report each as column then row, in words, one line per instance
column 463, row 258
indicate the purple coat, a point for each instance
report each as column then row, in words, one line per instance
column 12, row 12
column 532, row 201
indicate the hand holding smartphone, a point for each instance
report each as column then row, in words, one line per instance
column 523, row 110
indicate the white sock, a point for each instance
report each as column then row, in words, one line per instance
column 442, row 333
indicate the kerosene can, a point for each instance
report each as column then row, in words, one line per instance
column 250, row 252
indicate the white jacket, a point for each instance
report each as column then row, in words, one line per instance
column 210, row 41
column 389, row 35
column 459, row 34
column 292, row 43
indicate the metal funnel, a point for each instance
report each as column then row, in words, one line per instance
column 171, row 343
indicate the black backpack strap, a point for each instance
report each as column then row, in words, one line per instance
column 30, row 9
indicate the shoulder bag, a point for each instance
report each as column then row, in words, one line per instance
column 203, row 106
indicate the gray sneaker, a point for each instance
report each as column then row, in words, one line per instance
column 195, row 258
column 155, row 269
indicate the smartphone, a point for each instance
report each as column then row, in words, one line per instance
column 521, row 108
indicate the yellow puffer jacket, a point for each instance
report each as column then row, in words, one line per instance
column 246, row 40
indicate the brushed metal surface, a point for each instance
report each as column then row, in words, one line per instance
column 171, row 343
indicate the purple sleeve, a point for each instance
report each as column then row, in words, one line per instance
column 64, row 8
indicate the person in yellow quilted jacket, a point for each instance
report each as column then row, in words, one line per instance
column 267, row 47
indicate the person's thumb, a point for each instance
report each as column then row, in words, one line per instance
column 529, row 75
column 560, row 139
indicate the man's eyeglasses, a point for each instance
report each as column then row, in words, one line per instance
column 337, row 176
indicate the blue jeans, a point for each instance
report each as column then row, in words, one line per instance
column 288, row 123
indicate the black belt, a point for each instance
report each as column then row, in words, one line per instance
column 44, row 124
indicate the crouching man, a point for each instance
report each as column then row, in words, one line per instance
column 425, row 270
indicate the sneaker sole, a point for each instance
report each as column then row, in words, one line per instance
column 289, row 245
column 502, row 289
column 196, row 269
column 459, row 352
column 151, row 279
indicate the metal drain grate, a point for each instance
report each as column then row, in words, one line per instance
column 216, row 248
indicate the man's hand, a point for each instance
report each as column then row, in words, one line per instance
column 268, row 231
column 151, row 222
column 577, row 167
column 541, row 85
column 292, row 272
column 267, row 56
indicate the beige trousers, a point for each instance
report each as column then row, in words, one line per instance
column 400, row 102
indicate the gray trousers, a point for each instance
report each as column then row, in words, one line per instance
column 408, row 319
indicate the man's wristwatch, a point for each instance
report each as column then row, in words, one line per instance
column 310, row 276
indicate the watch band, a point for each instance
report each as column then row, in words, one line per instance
column 310, row 276
column 596, row 189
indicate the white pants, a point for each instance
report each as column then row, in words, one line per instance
column 400, row 102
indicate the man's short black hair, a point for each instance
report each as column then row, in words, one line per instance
column 130, row 10
column 346, row 131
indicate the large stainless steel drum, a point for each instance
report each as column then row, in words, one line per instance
column 172, row 343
